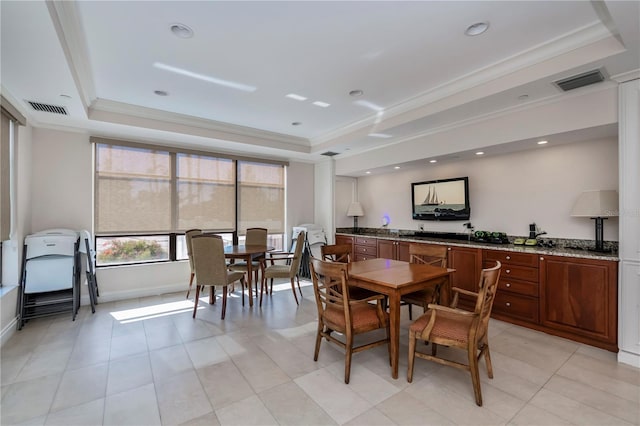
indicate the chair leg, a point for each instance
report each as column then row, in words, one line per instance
column 318, row 340
column 434, row 349
column 475, row 374
column 224, row 301
column 263, row 283
column 347, row 357
column 190, row 284
column 242, row 289
column 410, row 311
column 487, row 360
column 271, row 290
column 293, row 287
column 412, row 355
column 195, row 304
column 299, row 289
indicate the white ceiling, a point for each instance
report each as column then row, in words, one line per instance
column 417, row 68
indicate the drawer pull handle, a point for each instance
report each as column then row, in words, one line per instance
column 508, row 257
column 508, row 271
column 508, row 284
column 508, row 304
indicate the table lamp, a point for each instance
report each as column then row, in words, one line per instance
column 355, row 210
column 598, row 205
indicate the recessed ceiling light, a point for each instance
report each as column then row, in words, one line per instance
column 477, row 28
column 523, row 97
column 160, row 93
column 296, row 97
column 542, row 142
column 433, row 161
column 368, row 172
column 356, row 93
column 396, row 167
column 380, row 135
column 480, row 153
column 296, row 123
column 321, row 104
column 181, row 30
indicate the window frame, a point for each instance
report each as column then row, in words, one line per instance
column 174, row 233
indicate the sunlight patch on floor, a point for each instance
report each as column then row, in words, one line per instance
column 154, row 311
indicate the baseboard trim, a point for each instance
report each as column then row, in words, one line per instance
column 115, row 296
column 8, row 331
column 629, row 358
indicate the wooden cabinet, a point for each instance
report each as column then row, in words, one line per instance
column 365, row 248
column 518, row 288
column 345, row 239
column 579, row 299
column 467, row 262
column 392, row 249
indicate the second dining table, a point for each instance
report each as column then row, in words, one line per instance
column 395, row 278
column 246, row 253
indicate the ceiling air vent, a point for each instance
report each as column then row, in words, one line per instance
column 55, row 109
column 580, row 80
column 329, row 153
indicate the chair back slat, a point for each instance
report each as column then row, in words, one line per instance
column 330, row 286
column 428, row 254
column 188, row 236
column 336, row 253
column 486, row 295
column 297, row 254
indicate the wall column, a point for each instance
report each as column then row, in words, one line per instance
column 629, row 269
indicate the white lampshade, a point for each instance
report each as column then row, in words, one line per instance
column 355, row 209
column 598, row 203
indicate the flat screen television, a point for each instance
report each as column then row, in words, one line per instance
column 443, row 199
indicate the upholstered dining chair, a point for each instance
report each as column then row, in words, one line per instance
column 254, row 236
column 211, row 268
column 460, row 329
column 342, row 253
column 430, row 255
column 187, row 237
column 290, row 270
column 337, row 312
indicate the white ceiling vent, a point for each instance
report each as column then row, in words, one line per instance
column 580, row 80
column 55, row 109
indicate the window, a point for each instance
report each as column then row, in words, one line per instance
column 10, row 118
column 147, row 197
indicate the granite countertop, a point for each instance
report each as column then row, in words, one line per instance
column 551, row 251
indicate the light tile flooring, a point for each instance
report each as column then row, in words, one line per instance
column 146, row 361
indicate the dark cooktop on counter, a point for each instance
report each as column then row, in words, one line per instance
column 479, row 237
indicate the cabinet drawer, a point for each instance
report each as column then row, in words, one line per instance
column 516, row 306
column 367, row 250
column 525, row 273
column 512, row 258
column 526, row 288
column 359, row 257
column 365, row 241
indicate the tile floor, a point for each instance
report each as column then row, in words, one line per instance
column 146, row 361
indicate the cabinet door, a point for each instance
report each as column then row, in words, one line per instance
column 579, row 296
column 402, row 251
column 468, row 263
column 386, row 249
column 343, row 239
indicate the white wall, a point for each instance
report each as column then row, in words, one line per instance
column 507, row 192
column 62, row 197
column 344, row 195
column 323, row 191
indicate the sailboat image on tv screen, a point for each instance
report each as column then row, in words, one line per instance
column 431, row 198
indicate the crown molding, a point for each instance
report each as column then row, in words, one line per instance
column 626, row 76
column 133, row 115
column 459, row 90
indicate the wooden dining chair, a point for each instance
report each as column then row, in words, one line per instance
column 342, row 253
column 291, row 269
column 258, row 237
column 429, row 255
column 338, row 313
column 187, row 237
column 211, row 268
column 336, row 253
column 460, row 329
